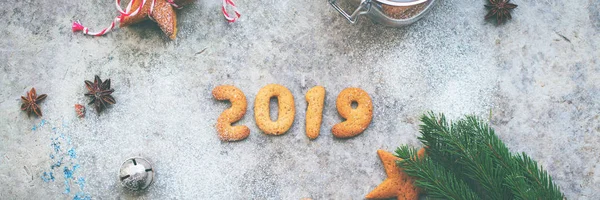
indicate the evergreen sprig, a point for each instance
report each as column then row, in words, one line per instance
column 466, row 160
column 438, row 181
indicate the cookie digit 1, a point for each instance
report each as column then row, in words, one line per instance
column 286, row 112
column 315, row 97
column 231, row 115
column 357, row 120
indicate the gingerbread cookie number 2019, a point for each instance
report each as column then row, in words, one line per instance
column 231, row 115
column 286, row 112
column 315, row 97
column 357, row 119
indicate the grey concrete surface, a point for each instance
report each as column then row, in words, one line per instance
column 539, row 75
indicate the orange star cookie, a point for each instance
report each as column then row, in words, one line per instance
column 397, row 184
column 162, row 13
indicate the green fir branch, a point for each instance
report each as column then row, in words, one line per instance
column 468, row 156
column 540, row 181
column 406, row 152
column 433, row 178
column 463, row 142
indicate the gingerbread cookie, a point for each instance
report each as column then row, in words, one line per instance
column 231, row 115
column 286, row 112
column 397, row 184
column 421, row 153
column 162, row 13
column 358, row 119
column 315, row 98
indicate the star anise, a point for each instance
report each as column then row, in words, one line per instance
column 100, row 93
column 500, row 9
column 30, row 103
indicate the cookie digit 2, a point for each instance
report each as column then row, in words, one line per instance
column 285, row 114
column 231, row 115
column 315, row 98
column 357, row 120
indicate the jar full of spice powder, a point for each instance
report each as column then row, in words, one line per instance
column 394, row 13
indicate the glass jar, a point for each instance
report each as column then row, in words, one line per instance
column 394, row 13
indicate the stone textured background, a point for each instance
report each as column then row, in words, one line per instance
column 539, row 75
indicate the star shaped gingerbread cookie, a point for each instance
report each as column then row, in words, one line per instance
column 397, row 184
column 162, row 13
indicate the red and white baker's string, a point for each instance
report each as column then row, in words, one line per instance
column 174, row 5
column 229, row 18
column 128, row 13
column 78, row 27
column 151, row 9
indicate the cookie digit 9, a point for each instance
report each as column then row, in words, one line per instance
column 315, row 98
column 357, row 120
column 286, row 111
column 232, row 114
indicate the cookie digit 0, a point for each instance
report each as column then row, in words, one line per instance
column 315, row 97
column 357, row 120
column 285, row 114
column 231, row 115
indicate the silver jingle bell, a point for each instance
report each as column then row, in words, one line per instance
column 136, row 174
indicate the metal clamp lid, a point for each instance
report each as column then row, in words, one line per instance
column 401, row 2
column 363, row 8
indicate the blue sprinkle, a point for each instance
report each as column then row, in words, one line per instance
column 57, row 164
column 67, row 187
column 56, row 146
column 82, row 196
column 47, row 177
column 34, row 128
column 51, row 156
column 68, row 173
column 72, row 153
column 75, row 167
column 81, row 182
column 42, row 122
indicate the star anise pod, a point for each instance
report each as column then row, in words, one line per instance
column 500, row 9
column 100, row 93
column 30, row 103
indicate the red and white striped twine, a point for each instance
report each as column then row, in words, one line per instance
column 78, row 27
column 128, row 13
column 174, row 5
column 229, row 18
